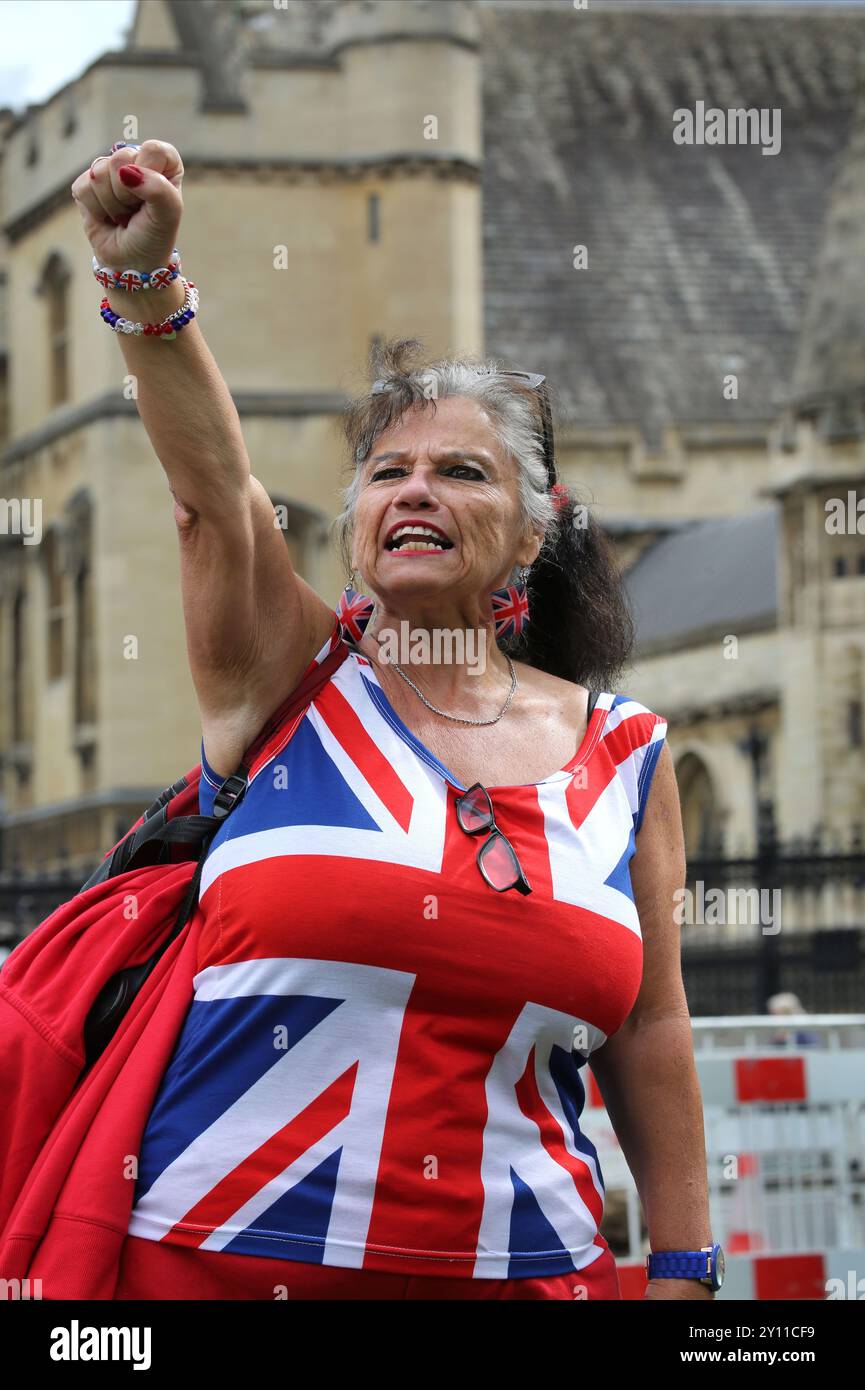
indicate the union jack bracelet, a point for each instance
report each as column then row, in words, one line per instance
column 133, row 280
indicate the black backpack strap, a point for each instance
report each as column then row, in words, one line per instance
column 117, row 994
column 149, row 842
column 164, row 797
column 113, row 1000
column 158, row 833
column 234, row 787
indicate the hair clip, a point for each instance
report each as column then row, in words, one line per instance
column 560, row 496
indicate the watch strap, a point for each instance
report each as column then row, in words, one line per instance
column 679, row 1264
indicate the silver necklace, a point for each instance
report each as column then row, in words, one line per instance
column 454, row 717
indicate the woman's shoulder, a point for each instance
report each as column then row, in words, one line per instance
column 635, row 736
column 545, row 683
column 622, row 705
column 332, row 640
column 336, row 638
column 632, row 726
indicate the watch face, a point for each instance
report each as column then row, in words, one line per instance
column 719, row 1268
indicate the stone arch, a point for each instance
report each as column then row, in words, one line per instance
column 702, row 814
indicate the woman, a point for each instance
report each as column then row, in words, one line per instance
column 428, row 910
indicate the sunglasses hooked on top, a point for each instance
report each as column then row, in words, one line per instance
column 497, row 858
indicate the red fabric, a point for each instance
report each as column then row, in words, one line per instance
column 154, row 1270
column 67, row 1145
column 65, row 1203
column 66, row 1149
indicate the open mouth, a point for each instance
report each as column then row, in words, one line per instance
column 417, row 538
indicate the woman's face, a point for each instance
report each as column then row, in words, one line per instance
column 441, row 468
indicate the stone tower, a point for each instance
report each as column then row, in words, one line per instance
column 331, row 195
column 822, row 591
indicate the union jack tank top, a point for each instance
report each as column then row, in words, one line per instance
column 383, row 1063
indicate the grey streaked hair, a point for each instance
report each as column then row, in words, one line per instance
column 511, row 405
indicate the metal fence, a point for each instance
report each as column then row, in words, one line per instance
column 785, row 1146
column 25, row 902
column 789, row 918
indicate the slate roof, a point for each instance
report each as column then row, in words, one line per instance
column 831, row 353
column 700, row 257
column 705, row 581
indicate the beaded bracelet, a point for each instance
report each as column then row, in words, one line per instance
column 167, row 329
column 133, row 280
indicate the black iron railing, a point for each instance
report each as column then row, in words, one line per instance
column 790, row 918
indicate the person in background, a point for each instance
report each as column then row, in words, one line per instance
column 787, row 1005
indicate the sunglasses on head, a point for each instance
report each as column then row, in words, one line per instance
column 536, row 382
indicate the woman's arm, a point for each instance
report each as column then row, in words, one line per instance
column 183, row 402
column 185, row 406
column 252, row 624
column 646, row 1070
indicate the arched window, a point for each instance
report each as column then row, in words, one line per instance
column 850, row 684
column 21, row 706
column 4, row 361
column 78, row 519
column 85, row 675
column 54, row 586
column 701, row 820
column 373, row 217
column 54, row 287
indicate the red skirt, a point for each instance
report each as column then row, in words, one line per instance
column 152, row 1270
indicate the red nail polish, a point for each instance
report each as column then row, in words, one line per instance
column 130, row 175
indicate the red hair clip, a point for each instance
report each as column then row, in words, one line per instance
column 560, row 496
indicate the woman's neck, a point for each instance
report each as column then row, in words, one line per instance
column 460, row 666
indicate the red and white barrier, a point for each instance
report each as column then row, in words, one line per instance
column 785, row 1142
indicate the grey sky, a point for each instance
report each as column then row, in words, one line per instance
column 46, row 43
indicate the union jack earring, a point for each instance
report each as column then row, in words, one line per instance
column 511, row 606
column 354, row 611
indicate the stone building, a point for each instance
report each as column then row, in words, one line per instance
column 487, row 177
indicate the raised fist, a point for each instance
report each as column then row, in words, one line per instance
column 141, row 188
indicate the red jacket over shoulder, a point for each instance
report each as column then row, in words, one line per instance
column 68, row 1146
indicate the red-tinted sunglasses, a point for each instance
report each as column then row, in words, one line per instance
column 497, row 859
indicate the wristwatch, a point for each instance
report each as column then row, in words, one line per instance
column 706, row 1265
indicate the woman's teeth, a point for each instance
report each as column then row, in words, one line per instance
column 417, row 538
